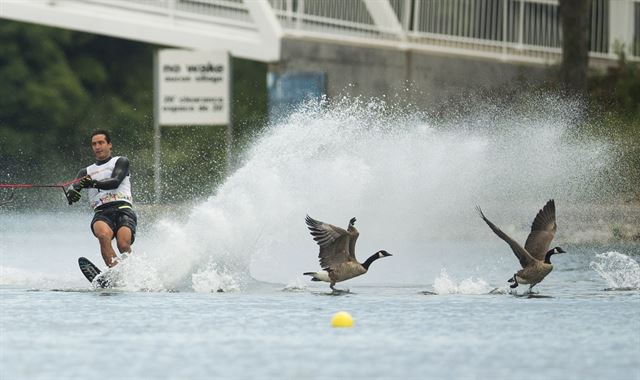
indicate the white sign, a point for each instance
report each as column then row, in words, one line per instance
column 193, row 87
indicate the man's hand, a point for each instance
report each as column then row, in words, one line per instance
column 86, row 182
column 73, row 195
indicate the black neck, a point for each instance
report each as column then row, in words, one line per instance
column 102, row 162
column 371, row 259
column 547, row 257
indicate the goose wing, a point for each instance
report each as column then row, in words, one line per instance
column 333, row 242
column 543, row 229
column 353, row 233
column 523, row 256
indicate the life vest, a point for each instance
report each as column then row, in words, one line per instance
column 99, row 197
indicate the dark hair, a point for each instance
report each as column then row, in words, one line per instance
column 102, row 132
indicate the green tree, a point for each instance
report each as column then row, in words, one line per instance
column 40, row 95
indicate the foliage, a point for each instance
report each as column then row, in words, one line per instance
column 39, row 95
column 618, row 89
column 615, row 104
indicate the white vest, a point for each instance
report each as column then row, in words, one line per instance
column 98, row 197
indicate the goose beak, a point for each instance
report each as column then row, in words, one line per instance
column 560, row 250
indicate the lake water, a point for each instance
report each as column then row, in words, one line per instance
column 438, row 308
column 265, row 331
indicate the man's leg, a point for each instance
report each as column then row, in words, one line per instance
column 103, row 232
column 123, row 238
column 126, row 229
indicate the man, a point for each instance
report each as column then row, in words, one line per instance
column 109, row 192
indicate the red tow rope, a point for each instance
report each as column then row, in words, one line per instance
column 33, row 186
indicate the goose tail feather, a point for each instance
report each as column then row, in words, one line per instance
column 322, row 275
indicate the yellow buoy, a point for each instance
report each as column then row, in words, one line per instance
column 342, row 319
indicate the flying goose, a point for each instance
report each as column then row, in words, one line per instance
column 535, row 256
column 337, row 252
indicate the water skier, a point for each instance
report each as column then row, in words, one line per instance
column 109, row 191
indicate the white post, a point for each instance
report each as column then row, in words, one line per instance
column 521, row 25
column 300, row 14
column 621, row 27
column 405, row 15
column 416, row 17
column 289, row 7
column 156, row 130
column 229, row 130
column 505, row 20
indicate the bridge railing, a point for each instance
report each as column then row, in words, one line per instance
column 526, row 30
column 348, row 19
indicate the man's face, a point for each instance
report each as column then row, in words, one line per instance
column 101, row 148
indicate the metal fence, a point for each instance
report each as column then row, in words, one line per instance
column 509, row 29
column 332, row 17
column 501, row 26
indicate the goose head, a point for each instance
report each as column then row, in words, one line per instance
column 553, row 251
column 383, row 253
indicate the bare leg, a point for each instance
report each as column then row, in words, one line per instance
column 123, row 238
column 105, row 235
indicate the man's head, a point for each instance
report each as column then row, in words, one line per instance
column 101, row 144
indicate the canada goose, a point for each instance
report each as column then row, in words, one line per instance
column 535, row 256
column 337, row 252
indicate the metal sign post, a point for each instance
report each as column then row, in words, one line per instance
column 191, row 88
column 157, row 133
